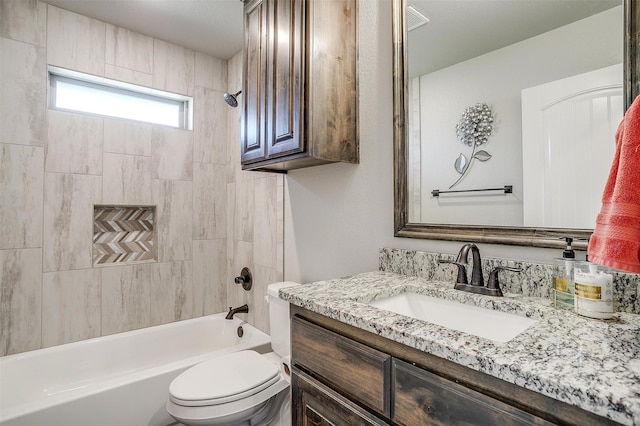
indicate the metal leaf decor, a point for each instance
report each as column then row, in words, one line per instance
column 482, row 155
column 473, row 129
column 460, row 163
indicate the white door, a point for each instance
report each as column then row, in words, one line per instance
column 568, row 143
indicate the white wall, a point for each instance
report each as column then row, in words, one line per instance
column 338, row 216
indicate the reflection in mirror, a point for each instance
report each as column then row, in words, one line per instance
column 552, row 136
column 551, row 75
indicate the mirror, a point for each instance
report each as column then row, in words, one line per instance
column 407, row 222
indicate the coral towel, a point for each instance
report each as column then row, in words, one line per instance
column 616, row 239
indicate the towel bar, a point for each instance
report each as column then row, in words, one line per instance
column 508, row 189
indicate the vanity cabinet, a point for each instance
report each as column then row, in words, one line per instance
column 300, row 84
column 422, row 398
column 317, row 404
column 343, row 375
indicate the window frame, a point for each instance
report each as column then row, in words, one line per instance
column 184, row 103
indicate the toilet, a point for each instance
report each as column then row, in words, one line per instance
column 240, row 388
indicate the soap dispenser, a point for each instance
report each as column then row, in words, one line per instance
column 593, row 290
column 563, row 286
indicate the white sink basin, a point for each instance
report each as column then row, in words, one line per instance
column 494, row 325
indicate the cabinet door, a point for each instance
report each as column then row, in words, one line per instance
column 423, row 398
column 286, row 50
column 356, row 370
column 317, row 405
column 253, row 88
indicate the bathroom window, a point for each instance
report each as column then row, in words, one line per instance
column 84, row 93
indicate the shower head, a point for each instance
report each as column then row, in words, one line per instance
column 231, row 99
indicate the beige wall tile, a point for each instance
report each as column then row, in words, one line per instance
column 130, row 76
column 234, row 75
column 172, row 153
column 231, row 209
column 259, row 308
column 20, row 305
column 209, row 276
column 173, row 68
column 234, row 120
column 239, row 255
column 126, row 297
column 211, row 73
column 280, row 226
column 126, row 179
column 70, row 306
column 244, row 209
column 210, row 126
column 21, row 188
column 171, row 292
column 68, row 220
column 74, row 143
column 127, row 137
column 23, row 69
column 24, row 20
column 75, row 41
column 129, row 49
column 265, row 225
column 174, row 202
column 209, row 201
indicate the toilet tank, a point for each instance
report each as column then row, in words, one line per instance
column 279, row 319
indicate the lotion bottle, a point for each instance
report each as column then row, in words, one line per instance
column 563, row 284
column 593, row 291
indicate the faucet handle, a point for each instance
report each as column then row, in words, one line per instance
column 245, row 279
column 462, row 270
column 493, row 283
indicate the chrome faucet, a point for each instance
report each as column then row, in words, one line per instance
column 244, row 309
column 477, row 279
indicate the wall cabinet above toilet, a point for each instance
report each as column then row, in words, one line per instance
column 300, row 84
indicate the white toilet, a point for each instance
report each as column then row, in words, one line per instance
column 241, row 388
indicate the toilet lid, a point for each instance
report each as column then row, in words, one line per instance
column 224, row 379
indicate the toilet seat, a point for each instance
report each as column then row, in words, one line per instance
column 225, row 379
column 200, row 409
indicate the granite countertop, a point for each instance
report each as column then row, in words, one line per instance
column 592, row 364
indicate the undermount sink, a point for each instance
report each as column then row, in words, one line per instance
column 494, row 325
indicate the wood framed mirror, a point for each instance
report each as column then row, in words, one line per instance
column 509, row 235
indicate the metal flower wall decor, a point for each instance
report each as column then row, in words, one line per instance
column 473, row 129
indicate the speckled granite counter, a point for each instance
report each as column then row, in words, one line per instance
column 592, row 364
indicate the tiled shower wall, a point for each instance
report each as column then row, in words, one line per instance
column 212, row 218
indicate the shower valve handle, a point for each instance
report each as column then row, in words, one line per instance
column 245, row 279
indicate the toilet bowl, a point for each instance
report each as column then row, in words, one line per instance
column 240, row 388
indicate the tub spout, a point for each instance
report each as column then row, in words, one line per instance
column 244, row 309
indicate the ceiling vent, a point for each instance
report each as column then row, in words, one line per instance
column 415, row 19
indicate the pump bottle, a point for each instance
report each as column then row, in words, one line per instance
column 563, row 284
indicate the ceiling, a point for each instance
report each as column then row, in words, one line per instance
column 208, row 26
column 463, row 29
column 458, row 29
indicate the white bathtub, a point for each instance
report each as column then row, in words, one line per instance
column 122, row 379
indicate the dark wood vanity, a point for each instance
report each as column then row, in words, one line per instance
column 343, row 375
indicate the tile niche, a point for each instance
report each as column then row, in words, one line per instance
column 123, row 234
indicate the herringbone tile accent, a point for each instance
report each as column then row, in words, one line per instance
column 122, row 234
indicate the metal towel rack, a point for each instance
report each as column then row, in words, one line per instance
column 508, row 189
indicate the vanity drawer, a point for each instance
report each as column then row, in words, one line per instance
column 358, row 371
column 423, row 398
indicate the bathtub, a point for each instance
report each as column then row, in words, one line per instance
column 122, row 379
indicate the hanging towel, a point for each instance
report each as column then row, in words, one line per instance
column 616, row 239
